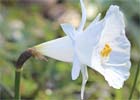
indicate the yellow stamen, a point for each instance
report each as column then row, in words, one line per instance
column 105, row 52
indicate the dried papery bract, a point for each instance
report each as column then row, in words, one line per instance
column 37, row 54
column 31, row 52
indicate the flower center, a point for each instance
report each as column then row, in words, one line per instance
column 105, row 52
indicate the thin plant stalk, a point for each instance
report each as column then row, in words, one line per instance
column 135, row 81
column 19, row 66
column 17, row 85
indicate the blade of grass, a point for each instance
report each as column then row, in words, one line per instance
column 135, row 81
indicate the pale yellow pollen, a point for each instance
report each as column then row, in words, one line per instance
column 105, row 52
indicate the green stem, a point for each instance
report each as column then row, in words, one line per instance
column 21, row 60
column 135, row 81
column 17, row 84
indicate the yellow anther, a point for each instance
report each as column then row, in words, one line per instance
column 105, row 52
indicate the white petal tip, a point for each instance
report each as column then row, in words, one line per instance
column 63, row 24
column 68, row 29
column 74, row 78
column 114, row 7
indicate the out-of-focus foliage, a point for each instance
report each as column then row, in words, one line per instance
column 25, row 23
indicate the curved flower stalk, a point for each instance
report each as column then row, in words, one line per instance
column 102, row 46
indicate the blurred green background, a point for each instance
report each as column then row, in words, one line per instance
column 25, row 23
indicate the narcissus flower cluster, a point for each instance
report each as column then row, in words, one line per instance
column 102, row 46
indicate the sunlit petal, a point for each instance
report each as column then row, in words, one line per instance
column 59, row 49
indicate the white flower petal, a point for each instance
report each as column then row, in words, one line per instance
column 120, row 61
column 114, row 34
column 84, row 79
column 82, row 23
column 76, row 68
column 96, row 20
column 116, row 69
column 114, row 25
column 86, row 41
column 114, row 9
column 116, row 76
column 69, row 30
column 59, row 49
column 120, row 50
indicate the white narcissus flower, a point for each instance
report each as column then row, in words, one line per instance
column 102, row 46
